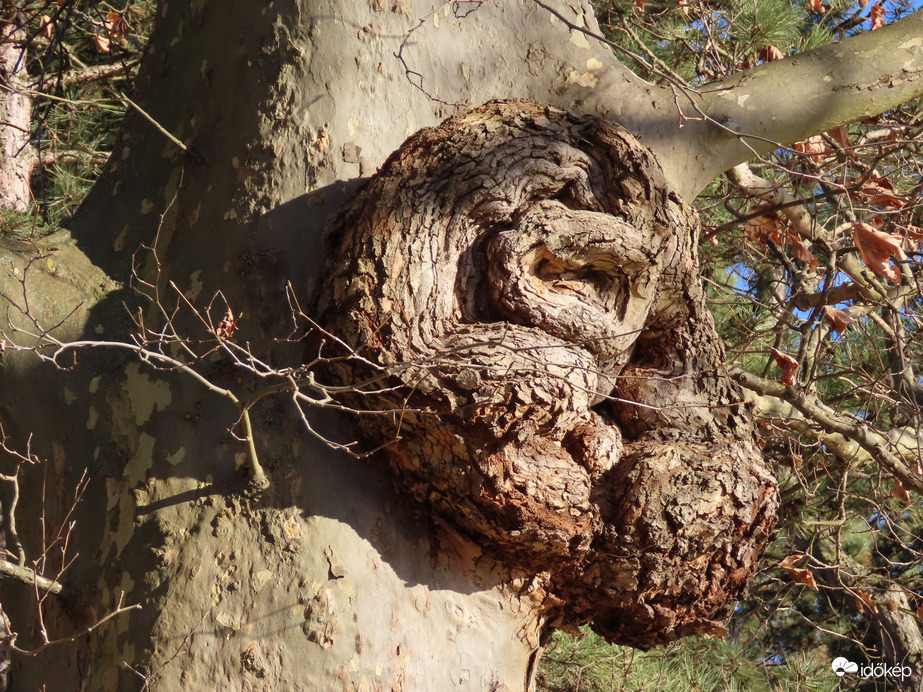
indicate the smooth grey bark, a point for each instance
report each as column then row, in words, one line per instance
column 326, row 580
column 326, row 577
column 786, row 101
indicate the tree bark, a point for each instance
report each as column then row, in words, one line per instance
column 530, row 281
column 329, row 579
column 18, row 158
column 782, row 102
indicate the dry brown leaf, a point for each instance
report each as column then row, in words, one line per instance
column 102, row 43
column 770, row 54
column 880, row 191
column 877, row 247
column 863, row 597
column 788, row 364
column 117, row 29
column 46, row 25
column 899, row 492
column 817, row 6
column 684, row 7
column 816, row 147
column 802, row 576
column 789, row 561
column 761, row 229
column 877, row 16
column 911, row 232
column 837, row 319
column 115, row 23
column 227, row 326
column 801, row 252
column 840, row 136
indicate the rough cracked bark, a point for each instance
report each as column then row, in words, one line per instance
column 526, row 284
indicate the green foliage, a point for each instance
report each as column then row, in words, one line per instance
column 586, row 663
column 75, row 116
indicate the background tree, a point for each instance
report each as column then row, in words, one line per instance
column 239, row 113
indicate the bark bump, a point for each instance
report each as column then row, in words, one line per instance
column 518, row 288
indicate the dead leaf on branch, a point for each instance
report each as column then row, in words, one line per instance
column 770, row 226
column 801, row 252
column 763, row 228
column 899, row 492
column 788, row 364
column 115, row 29
column 46, row 25
column 864, row 598
column 877, row 16
column 837, row 319
column 816, row 6
column 878, row 190
column 877, row 248
column 770, row 54
column 840, row 136
column 910, row 232
column 227, row 326
column 796, row 574
column 814, row 147
column 818, row 146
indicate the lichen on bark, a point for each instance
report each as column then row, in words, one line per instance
column 518, row 289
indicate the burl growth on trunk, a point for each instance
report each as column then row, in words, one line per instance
column 520, row 291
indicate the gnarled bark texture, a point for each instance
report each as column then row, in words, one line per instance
column 651, row 512
column 520, row 287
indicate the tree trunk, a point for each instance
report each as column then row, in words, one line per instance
column 644, row 511
column 326, row 578
column 17, row 155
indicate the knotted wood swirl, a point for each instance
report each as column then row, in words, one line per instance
column 516, row 288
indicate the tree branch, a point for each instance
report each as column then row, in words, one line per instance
column 29, row 576
column 878, row 446
column 788, row 100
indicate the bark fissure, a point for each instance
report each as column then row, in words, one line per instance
column 535, row 280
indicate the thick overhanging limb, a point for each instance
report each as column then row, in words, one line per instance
column 878, row 446
column 755, row 111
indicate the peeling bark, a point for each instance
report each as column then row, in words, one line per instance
column 528, row 282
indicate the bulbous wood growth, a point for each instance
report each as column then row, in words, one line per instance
column 520, row 289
